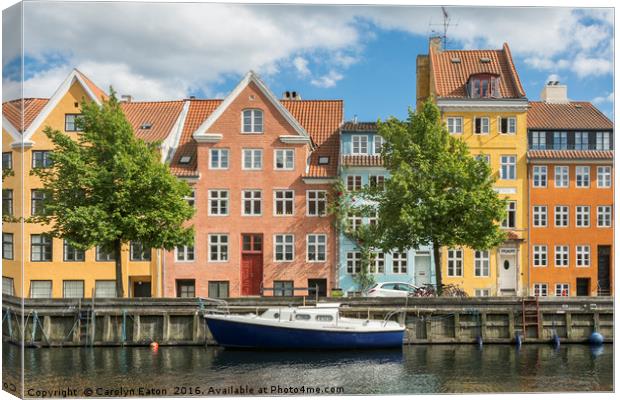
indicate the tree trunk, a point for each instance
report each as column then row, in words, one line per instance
column 437, row 256
column 119, row 268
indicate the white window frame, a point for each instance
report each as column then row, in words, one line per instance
column 78, row 283
column 582, row 176
column 452, row 125
column 220, row 164
column 541, row 290
column 253, row 125
column 511, row 125
column 603, row 177
column 254, row 155
column 312, row 242
column 42, row 281
column 284, row 244
column 362, row 144
column 606, row 213
column 562, row 143
column 399, row 262
column 108, row 292
column 563, row 287
column 482, row 264
column 583, row 145
column 283, row 200
column 354, row 220
column 539, row 216
column 284, row 154
column 540, row 257
column 582, row 256
column 539, row 174
column 8, row 286
column 320, row 196
column 353, row 260
column 377, row 147
column 483, row 131
column 484, row 292
column 561, row 176
column 455, row 256
column 584, row 213
column 354, row 187
column 511, row 207
column 539, row 140
column 564, row 213
column 191, row 199
column 561, row 256
column 219, row 200
column 508, row 161
column 252, row 199
column 221, row 256
column 603, row 141
column 377, row 264
column 185, row 252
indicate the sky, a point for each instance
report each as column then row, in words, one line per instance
column 364, row 55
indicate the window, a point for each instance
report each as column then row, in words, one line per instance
column 562, row 289
column 252, row 121
column 73, row 289
column 582, row 255
column 560, row 141
column 283, row 202
column 507, row 125
column 317, row 248
column 41, row 159
column 218, row 247
column 540, row 289
column 191, row 199
column 106, row 289
column 323, row 160
column 316, row 203
column 252, row 159
column 373, row 218
column 40, row 248
column 72, row 122
column 284, row 159
column 483, row 85
column 399, row 263
column 455, row 262
column 540, row 216
column 354, row 220
column 508, row 167
column 184, row 253
column 185, row 159
column 481, row 125
column 8, row 286
column 540, row 175
column 40, row 289
column 481, row 263
column 37, row 201
column 105, row 252
column 354, row 182
column 377, row 265
column 7, row 246
column 252, row 202
column 455, row 125
column 582, row 141
column 378, row 144
column 484, row 157
column 7, row 202
column 603, row 216
column 602, row 141
column 377, row 181
column 539, row 140
column 354, row 262
column 482, row 292
column 186, row 288
column 561, row 216
column 561, row 176
column 282, row 288
column 138, row 252
column 284, row 249
column 561, row 256
column 540, row 255
column 219, row 159
column 582, row 176
column 511, row 215
column 7, row 160
column 359, row 144
column 71, row 253
column 603, row 177
column 582, row 216
column 218, row 202
column 218, row 289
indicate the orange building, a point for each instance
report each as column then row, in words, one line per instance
column 570, row 184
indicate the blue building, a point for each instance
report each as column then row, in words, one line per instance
column 360, row 165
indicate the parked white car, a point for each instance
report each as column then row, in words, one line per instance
column 391, row 289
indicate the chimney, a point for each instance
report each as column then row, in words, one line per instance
column 435, row 43
column 126, row 98
column 553, row 92
column 291, row 95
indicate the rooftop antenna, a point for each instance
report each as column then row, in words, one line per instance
column 446, row 24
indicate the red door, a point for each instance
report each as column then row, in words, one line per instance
column 251, row 264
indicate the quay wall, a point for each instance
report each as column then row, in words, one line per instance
column 175, row 321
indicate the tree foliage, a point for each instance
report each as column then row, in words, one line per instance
column 109, row 187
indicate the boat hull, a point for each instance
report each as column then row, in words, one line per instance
column 236, row 334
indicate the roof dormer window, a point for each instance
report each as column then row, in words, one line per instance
column 252, row 121
column 483, row 86
column 185, row 159
column 146, row 125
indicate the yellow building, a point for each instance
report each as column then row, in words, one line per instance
column 34, row 264
column 482, row 101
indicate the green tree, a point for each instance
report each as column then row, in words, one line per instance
column 438, row 194
column 109, row 187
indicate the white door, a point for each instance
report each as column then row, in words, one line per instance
column 422, row 270
column 507, row 267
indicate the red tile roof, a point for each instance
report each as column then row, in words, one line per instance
column 91, row 85
column 572, row 115
column 571, row 154
column 450, row 78
column 350, row 126
column 362, row 160
column 12, row 110
column 160, row 115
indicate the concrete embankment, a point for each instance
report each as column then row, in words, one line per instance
column 140, row 321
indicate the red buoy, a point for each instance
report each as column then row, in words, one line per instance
column 154, row 345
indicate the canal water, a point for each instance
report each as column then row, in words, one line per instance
column 185, row 371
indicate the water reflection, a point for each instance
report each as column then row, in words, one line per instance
column 415, row 369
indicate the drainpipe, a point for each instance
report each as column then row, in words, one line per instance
column 158, row 274
column 527, row 213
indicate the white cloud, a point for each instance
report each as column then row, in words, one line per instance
column 609, row 98
column 301, row 65
column 590, row 66
column 328, row 80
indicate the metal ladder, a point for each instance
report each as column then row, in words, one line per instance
column 530, row 313
column 87, row 323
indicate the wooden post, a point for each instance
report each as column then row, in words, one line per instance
column 569, row 325
column 136, row 328
column 166, row 328
column 541, row 322
column 483, row 326
column 511, row 325
column 107, row 329
column 457, row 327
column 597, row 322
column 429, row 330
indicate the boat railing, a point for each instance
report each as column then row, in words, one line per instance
column 210, row 305
column 392, row 313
